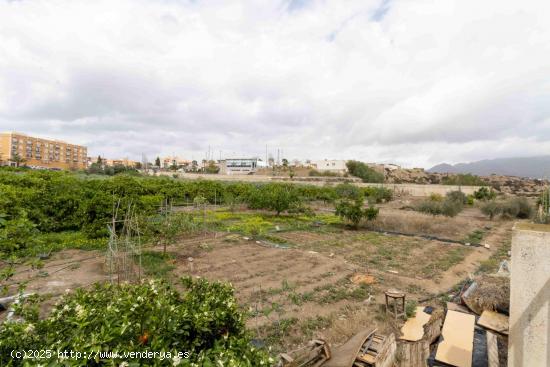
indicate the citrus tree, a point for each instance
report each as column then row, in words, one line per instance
column 201, row 326
column 275, row 197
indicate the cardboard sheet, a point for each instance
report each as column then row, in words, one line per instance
column 458, row 339
column 413, row 329
column 494, row 321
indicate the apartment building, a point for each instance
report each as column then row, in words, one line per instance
column 17, row 148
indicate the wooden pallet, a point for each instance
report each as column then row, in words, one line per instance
column 371, row 351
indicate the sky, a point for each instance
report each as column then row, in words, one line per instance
column 411, row 82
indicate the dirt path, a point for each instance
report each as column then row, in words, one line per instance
column 452, row 276
column 67, row 269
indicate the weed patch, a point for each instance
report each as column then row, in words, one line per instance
column 156, row 264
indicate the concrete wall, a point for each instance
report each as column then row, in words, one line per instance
column 530, row 297
column 423, row 190
column 400, row 189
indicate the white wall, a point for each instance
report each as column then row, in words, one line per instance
column 330, row 165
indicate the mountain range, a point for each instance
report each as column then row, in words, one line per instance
column 532, row 167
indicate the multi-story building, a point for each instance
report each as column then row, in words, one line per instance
column 18, row 149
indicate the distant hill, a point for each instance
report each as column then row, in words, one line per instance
column 533, row 167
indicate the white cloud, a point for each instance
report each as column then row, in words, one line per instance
column 416, row 81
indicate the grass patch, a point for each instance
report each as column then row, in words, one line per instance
column 474, row 237
column 263, row 224
column 491, row 264
column 156, row 264
column 450, row 258
column 310, row 325
column 332, row 293
column 410, row 308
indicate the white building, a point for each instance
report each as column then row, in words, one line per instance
column 241, row 166
column 332, row 165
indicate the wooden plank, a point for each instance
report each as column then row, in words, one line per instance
column 494, row 321
column 458, row 339
column 455, row 307
column 492, row 349
column 367, row 358
column 413, row 329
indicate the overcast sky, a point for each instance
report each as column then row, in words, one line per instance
column 407, row 81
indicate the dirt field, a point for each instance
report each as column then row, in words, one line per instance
column 297, row 285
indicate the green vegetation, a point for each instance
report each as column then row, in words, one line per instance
column 449, row 259
column 353, row 212
column 276, row 197
column 516, row 207
column 100, row 169
column 410, row 309
column 485, row 193
column 350, row 205
column 36, row 203
column 475, row 237
column 204, row 321
column 492, row 264
column 364, row 172
column 377, row 194
column 212, row 168
column 451, row 206
column 491, row 209
column 168, row 227
column 157, row 264
column 463, row 180
column 543, row 204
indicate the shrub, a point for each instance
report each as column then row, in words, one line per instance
column 353, row 212
column 364, row 172
column 451, row 206
column 204, row 321
column 436, row 197
column 16, row 235
column 484, row 193
column 456, row 197
column 410, row 309
column 517, row 207
column 371, row 213
column 429, row 207
column 348, row 191
column 491, row 209
column 378, row 194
